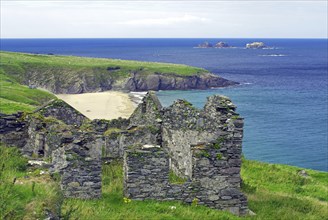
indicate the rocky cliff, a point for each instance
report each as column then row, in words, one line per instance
column 137, row 82
column 73, row 75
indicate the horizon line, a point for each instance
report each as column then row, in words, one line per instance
column 5, row 38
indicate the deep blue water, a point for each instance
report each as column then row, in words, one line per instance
column 283, row 95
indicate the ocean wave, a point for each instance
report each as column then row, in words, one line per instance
column 273, row 55
column 136, row 97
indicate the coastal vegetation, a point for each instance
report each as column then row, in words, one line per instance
column 16, row 97
column 273, row 191
column 74, row 75
column 20, row 64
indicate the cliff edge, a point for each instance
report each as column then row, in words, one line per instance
column 74, row 75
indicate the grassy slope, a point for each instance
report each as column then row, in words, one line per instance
column 14, row 67
column 274, row 192
column 18, row 63
column 30, row 193
column 16, row 97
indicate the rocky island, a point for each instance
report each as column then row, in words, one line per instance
column 256, row 45
column 217, row 45
column 205, row 45
column 222, row 45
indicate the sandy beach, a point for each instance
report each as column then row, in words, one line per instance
column 102, row 105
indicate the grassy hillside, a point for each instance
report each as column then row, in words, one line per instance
column 274, row 192
column 16, row 97
column 24, row 193
column 71, row 74
column 53, row 72
column 18, row 64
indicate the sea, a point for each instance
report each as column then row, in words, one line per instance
column 282, row 94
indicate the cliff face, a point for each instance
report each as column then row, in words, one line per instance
column 168, row 82
column 97, row 82
column 73, row 75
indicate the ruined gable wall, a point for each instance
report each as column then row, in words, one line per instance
column 202, row 145
column 183, row 126
column 62, row 111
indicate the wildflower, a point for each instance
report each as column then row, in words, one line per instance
column 126, row 200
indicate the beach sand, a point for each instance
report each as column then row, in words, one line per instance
column 102, row 105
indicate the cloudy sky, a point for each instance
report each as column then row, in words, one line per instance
column 152, row 19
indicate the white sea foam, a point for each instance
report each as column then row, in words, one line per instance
column 137, row 97
column 273, row 55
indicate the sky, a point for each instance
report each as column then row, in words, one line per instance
column 164, row 19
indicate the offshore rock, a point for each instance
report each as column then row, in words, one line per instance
column 256, row 45
column 222, row 45
column 205, row 45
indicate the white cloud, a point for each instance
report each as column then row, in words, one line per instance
column 166, row 21
column 75, row 18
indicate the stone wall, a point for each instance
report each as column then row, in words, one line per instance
column 216, row 173
column 148, row 111
column 13, row 130
column 215, row 180
column 183, row 126
column 201, row 146
column 146, row 173
column 78, row 161
column 45, row 134
column 75, row 155
column 62, row 111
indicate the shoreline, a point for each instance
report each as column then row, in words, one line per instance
column 104, row 105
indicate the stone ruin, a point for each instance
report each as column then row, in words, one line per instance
column 54, row 132
column 200, row 147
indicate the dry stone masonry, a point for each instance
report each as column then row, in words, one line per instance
column 199, row 147
column 78, row 161
column 50, row 133
column 13, row 130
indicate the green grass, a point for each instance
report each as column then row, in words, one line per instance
column 64, row 72
column 16, row 97
column 24, row 193
column 278, row 192
column 17, row 64
column 273, row 191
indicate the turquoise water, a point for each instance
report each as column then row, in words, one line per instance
column 282, row 96
column 278, row 128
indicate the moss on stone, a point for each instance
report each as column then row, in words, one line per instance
column 112, row 132
column 203, row 153
column 219, row 156
column 218, row 143
column 175, row 179
column 86, row 125
column 153, row 129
